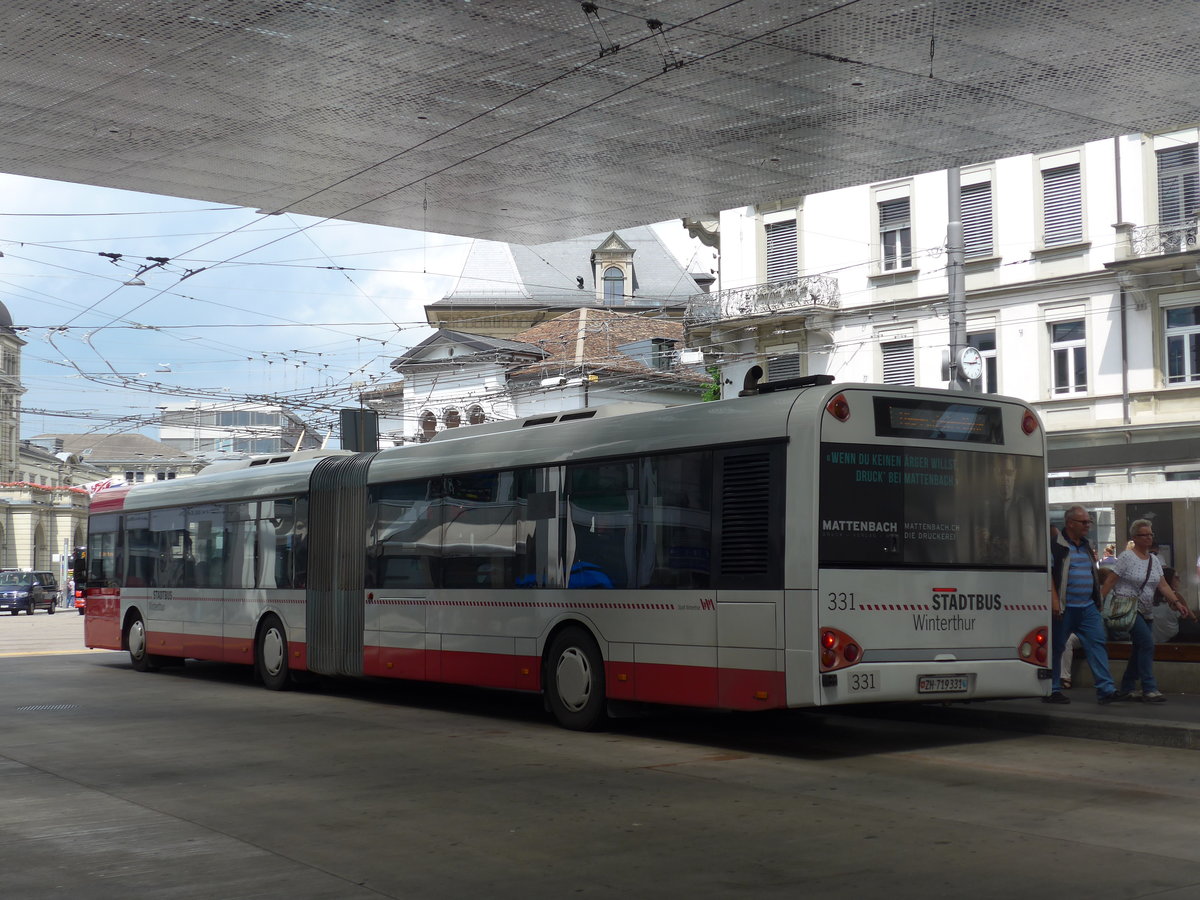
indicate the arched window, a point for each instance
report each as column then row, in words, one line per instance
column 428, row 425
column 475, row 415
column 452, row 418
column 614, row 285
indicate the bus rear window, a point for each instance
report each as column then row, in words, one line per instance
column 930, row 507
column 935, row 420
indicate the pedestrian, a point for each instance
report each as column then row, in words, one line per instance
column 1139, row 573
column 1075, row 603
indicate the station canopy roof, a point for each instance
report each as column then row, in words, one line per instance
column 531, row 120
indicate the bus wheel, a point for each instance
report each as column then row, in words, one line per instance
column 575, row 680
column 270, row 656
column 135, row 638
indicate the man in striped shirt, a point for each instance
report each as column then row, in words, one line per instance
column 1075, row 595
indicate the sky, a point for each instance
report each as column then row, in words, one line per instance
column 247, row 307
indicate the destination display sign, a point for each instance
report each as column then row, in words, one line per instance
column 892, row 506
column 937, row 420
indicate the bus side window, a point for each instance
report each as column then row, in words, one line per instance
column 602, row 517
column 407, row 539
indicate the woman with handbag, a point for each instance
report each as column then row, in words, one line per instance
column 1138, row 573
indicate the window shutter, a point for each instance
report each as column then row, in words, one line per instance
column 786, row 365
column 781, row 250
column 899, row 362
column 1062, row 205
column 1178, row 185
column 977, row 219
column 893, row 214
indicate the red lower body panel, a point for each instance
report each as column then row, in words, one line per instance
column 676, row 685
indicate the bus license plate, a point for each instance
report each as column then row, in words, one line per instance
column 941, row 684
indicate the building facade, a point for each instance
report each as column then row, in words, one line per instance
column 504, row 289
column 216, row 430
column 1083, row 296
column 43, row 511
column 132, row 458
column 588, row 357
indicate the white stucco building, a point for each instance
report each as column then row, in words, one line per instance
column 1083, row 295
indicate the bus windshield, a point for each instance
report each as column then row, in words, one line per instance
column 888, row 506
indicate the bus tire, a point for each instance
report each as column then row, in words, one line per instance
column 575, row 680
column 135, row 639
column 271, row 655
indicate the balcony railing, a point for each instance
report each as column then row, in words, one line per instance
column 1156, row 240
column 810, row 293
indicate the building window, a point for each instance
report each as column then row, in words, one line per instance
column 781, row 251
column 614, row 286
column 453, row 418
column 899, row 362
column 1178, row 197
column 1068, row 357
column 1062, row 206
column 985, row 343
column 895, row 234
column 428, row 423
column 475, row 416
column 1183, row 344
column 783, row 364
column 1178, row 184
column 977, row 220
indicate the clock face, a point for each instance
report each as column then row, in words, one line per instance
column 971, row 362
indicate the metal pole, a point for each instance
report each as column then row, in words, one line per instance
column 956, row 282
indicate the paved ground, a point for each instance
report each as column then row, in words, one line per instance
column 1175, row 723
column 195, row 784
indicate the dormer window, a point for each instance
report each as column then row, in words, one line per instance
column 612, row 269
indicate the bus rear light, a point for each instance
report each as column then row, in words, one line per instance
column 838, row 650
column 1029, row 422
column 839, row 408
column 1032, row 648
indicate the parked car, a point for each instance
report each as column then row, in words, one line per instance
column 27, row 591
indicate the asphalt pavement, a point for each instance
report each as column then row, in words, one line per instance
column 1175, row 723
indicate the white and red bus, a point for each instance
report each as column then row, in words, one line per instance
column 813, row 544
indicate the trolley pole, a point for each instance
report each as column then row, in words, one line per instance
column 957, row 286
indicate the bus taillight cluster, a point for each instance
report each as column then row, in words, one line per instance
column 838, row 650
column 1032, row 648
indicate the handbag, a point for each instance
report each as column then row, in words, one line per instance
column 1119, row 609
column 1118, row 614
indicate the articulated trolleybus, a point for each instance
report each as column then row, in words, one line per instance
column 811, row 544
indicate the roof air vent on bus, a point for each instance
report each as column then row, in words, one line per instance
column 750, row 382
